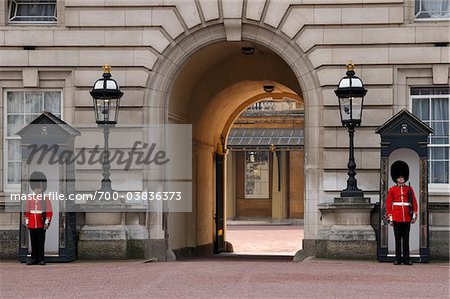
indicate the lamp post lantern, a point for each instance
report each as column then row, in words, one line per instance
column 351, row 94
column 106, row 96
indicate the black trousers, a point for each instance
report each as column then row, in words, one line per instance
column 37, row 236
column 401, row 233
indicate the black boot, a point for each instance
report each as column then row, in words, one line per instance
column 31, row 262
column 408, row 262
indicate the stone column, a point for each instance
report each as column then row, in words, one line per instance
column 204, row 180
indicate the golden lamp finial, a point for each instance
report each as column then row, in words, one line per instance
column 106, row 69
column 350, row 66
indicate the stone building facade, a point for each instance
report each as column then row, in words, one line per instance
column 182, row 61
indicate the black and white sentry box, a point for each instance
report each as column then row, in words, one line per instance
column 56, row 137
column 405, row 138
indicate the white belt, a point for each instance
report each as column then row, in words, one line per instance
column 401, row 204
column 36, row 212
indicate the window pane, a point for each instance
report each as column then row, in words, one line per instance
column 52, row 101
column 421, row 109
column 22, row 107
column 439, row 153
column 416, row 7
column 430, row 90
column 439, row 172
column 33, row 11
column 440, row 128
column 30, row 117
column 438, row 140
column 13, row 172
column 33, row 102
column 15, row 123
column 432, row 9
column 434, row 112
column 439, row 108
column 14, row 149
column 15, row 102
column 257, row 175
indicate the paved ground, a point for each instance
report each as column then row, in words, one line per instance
column 225, row 277
column 229, row 276
column 265, row 239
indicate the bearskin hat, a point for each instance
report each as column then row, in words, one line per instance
column 38, row 179
column 399, row 168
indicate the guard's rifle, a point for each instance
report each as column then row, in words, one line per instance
column 410, row 200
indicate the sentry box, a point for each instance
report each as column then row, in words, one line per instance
column 55, row 136
column 404, row 138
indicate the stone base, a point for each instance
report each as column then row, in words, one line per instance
column 102, row 249
column 358, row 249
column 184, row 252
column 204, row 250
column 136, row 249
column 352, row 233
column 9, row 244
column 113, row 242
column 348, row 233
column 336, row 249
column 102, row 242
column 136, row 240
column 439, row 250
column 308, row 250
column 157, row 249
column 354, row 249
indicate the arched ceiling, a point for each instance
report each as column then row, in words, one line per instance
column 218, row 82
column 221, row 112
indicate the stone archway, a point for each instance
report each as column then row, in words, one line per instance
column 217, row 118
column 167, row 69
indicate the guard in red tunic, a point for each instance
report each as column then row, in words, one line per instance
column 38, row 216
column 398, row 211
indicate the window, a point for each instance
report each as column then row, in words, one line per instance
column 257, row 175
column 431, row 105
column 432, row 9
column 22, row 107
column 32, row 11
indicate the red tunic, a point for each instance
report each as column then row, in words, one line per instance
column 397, row 203
column 33, row 211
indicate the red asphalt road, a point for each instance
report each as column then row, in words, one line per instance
column 225, row 277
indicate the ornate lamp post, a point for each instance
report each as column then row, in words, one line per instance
column 106, row 97
column 351, row 94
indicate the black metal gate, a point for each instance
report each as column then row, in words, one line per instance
column 219, row 242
